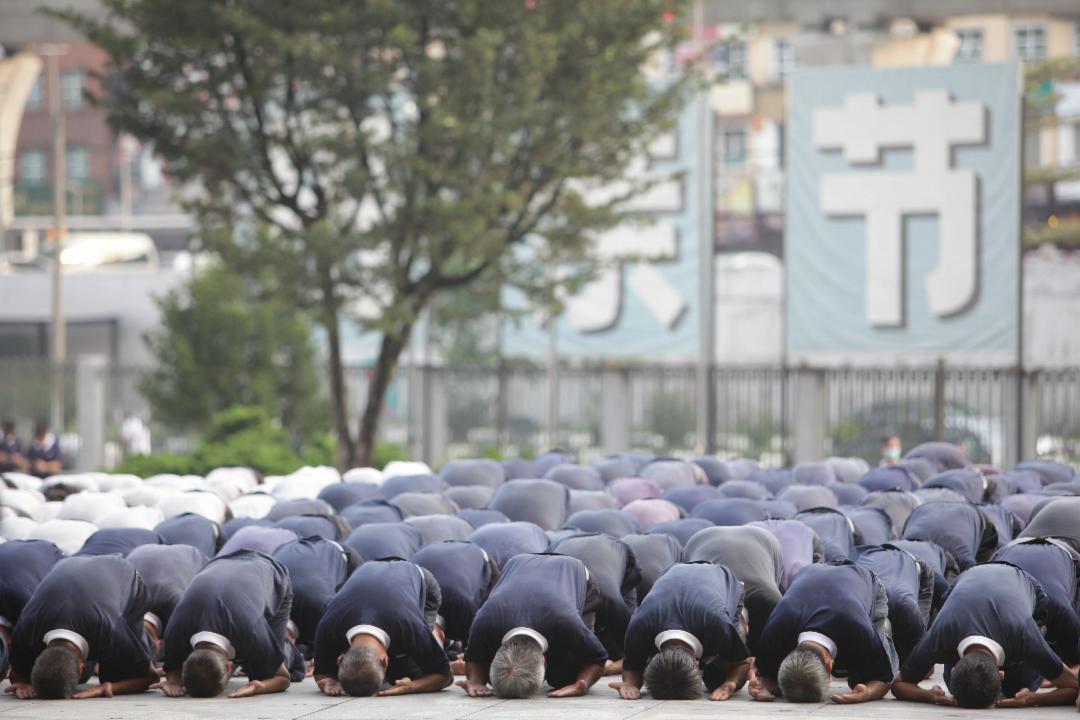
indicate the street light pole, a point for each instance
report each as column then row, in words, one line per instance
column 59, row 340
column 706, row 295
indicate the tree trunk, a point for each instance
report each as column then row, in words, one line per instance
column 346, row 452
column 382, row 374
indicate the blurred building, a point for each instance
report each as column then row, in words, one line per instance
column 755, row 46
column 128, row 239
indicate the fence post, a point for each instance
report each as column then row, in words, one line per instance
column 90, row 371
column 436, row 425
column 809, row 415
column 939, row 400
column 615, row 420
column 1030, row 411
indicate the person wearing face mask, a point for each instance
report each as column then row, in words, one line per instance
column 891, row 450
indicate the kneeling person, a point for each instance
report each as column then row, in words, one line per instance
column 537, row 622
column 832, row 615
column 235, row 609
column 86, row 611
column 988, row 637
column 689, row 629
column 380, row 627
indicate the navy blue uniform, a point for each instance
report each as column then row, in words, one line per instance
column 836, row 530
column 701, row 599
column 960, row 529
column 655, row 555
column 615, row 523
column 942, row 566
column 244, row 596
column 371, row 511
column 318, row 568
column 838, row 601
column 909, row 585
column 118, row 541
column 465, row 573
column 1054, row 565
column 313, row 526
column 615, row 570
column 392, row 596
column 503, row 541
column 167, row 571
column 1000, row 602
column 385, row 541
column 103, row 599
column 755, row 556
column 550, row 595
column 23, row 565
column 190, row 529
column 681, row 530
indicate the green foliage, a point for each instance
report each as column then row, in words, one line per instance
column 243, row 436
column 221, row 345
column 670, row 416
column 386, row 452
column 466, row 129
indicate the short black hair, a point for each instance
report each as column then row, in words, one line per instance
column 7, row 426
column 205, row 673
column 56, row 673
column 975, row 682
column 673, row 675
column 41, row 427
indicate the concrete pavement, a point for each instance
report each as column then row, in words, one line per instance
column 305, row 701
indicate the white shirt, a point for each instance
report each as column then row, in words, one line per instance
column 375, row 632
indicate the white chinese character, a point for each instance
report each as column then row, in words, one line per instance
column 862, row 128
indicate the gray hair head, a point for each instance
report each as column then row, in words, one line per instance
column 56, row 673
column 205, row 673
column 975, row 682
column 803, row 676
column 517, row 670
column 673, row 675
column 361, row 673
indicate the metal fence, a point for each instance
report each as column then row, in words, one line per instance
column 772, row 414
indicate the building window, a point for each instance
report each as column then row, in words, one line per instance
column 970, row 48
column 729, row 57
column 72, row 84
column 733, row 146
column 78, row 164
column 1029, row 42
column 34, row 99
column 32, row 167
column 786, row 61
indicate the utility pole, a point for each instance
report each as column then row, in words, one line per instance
column 706, row 296
column 58, row 348
column 553, row 381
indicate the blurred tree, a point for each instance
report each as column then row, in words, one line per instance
column 221, row 345
column 391, row 151
column 1040, row 111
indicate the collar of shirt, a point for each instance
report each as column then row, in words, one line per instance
column 823, row 640
column 4, row 622
column 291, row 627
column 529, row 633
column 681, row 635
column 72, row 637
column 344, row 555
column 991, row 645
column 375, row 632
column 214, row 639
column 153, row 620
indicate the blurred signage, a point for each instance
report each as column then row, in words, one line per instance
column 903, row 215
column 643, row 303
